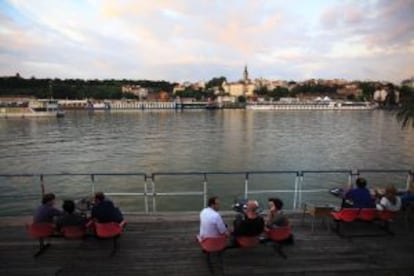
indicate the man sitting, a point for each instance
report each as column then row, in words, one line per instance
column 360, row 196
column 46, row 212
column 70, row 218
column 250, row 224
column 104, row 210
column 211, row 223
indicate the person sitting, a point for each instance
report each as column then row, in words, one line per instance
column 69, row 217
column 407, row 197
column 211, row 223
column 360, row 197
column 47, row 212
column 389, row 201
column 275, row 217
column 104, row 210
column 250, row 224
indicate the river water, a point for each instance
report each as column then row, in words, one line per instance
column 196, row 140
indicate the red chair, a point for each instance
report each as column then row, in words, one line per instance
column 367, row 214
column 246, row 242
column 344, row 215
column 279, row 235
column 213, row 245
column 41, row 231
column 110, row 230
column 73, row 232
column 386, row 217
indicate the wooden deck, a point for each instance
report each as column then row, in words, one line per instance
column 165, row 245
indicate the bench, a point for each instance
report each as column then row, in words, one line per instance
column 370, row 215
column 277, row 236
column 42, row 231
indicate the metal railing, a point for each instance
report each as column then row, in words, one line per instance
column 150, row 192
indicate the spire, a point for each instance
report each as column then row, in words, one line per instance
column 245, row 74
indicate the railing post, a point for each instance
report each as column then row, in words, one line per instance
column 350, row 179
column 295, row 194
column 154, row 194
column 410, row 178
column 205, row 190
column 93, row 184
column 246, row 186
column 301, row 180
column 42, row 185
column 146, row 194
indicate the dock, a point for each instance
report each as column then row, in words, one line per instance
column 164, row 244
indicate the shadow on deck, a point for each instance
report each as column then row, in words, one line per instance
column 165, row 245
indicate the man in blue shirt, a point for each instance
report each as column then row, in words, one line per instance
column 104, row 210
column 360, row 196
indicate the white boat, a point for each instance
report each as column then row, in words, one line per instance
column 91, row 106
column 310, row 105
column 35, row 108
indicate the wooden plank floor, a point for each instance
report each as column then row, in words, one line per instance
column 165, row 245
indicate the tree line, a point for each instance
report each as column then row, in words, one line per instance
column 76, row 88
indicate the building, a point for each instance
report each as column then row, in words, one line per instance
column 244, row 87
column 136, row 90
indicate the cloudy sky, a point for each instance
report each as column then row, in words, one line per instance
column 200, row 39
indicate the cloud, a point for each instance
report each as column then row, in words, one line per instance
column 187, row 40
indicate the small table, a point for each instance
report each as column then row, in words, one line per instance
column 322, row 211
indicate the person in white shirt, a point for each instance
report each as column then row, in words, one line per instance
column 390, row 201
column 211, row 223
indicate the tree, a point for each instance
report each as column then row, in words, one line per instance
column 261, row 91
column 241, row 99
column 215, row 82
column 405, row 115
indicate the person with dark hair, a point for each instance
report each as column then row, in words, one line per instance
column 104, row 210
column 69, row 217
column 275, row 217
column 251, row 223
column 211, row 223
column 360, row 197
column 46, row 212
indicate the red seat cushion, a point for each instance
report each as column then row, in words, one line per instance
column 243, row 241
column 367, row 214
column 73, row 232
column 386, row 215
column 41, row 230
column 280, row 233
column 213, row 244
column 346, row 214
column 108, row 230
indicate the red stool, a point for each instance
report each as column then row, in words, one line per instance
column 110, row 230
column 279, row 235
column 40, row 231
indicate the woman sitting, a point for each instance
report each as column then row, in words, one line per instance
column 275, row 217
column 389, row 201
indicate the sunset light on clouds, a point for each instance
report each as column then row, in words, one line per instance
column 198, row 40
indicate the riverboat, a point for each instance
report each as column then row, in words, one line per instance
column 91, row 106
column 35, row 108
column 311, row 105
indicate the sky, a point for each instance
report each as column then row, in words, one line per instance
column 196, row 40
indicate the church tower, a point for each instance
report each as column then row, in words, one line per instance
column 245, row 74
column 245, row 80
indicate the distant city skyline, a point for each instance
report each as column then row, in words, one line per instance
column 193, row 41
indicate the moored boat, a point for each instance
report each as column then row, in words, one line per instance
column 34, row 108
column 310, row 105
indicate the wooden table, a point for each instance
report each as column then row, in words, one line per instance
column 321, row 211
